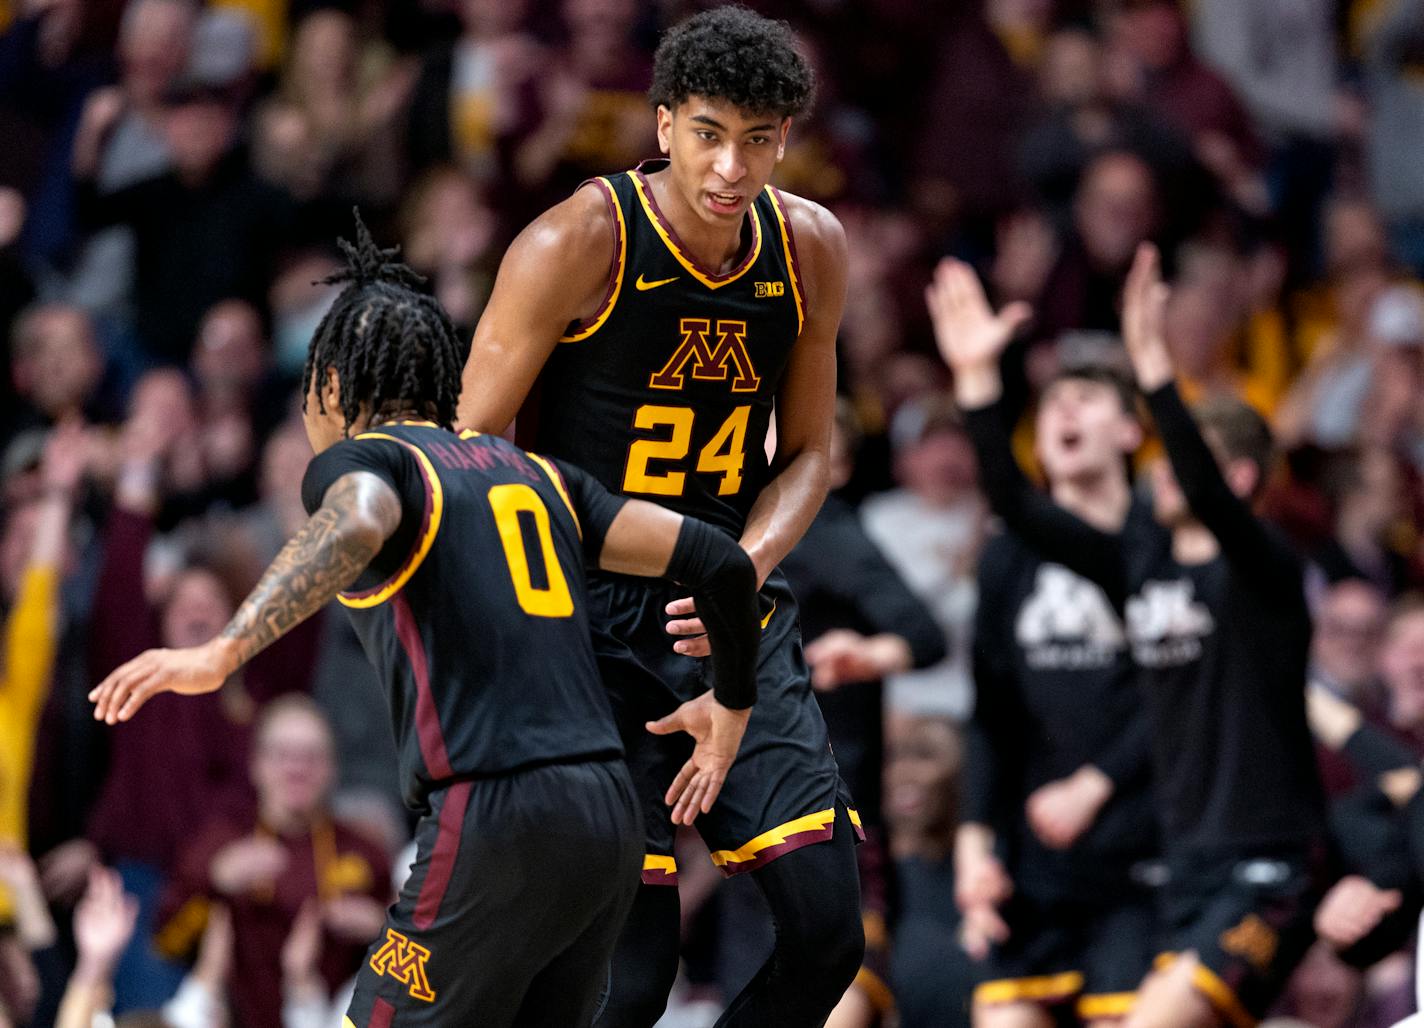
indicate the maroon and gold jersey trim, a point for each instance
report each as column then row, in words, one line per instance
column 669, row 237
column 793, row 264
column 659, row 869
column 430, row 527
column 1052, row 988
column 587, row 327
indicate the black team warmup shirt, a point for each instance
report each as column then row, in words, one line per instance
column 1221, row 647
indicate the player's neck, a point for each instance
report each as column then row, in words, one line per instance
column 1100, row 499
column 714, row 245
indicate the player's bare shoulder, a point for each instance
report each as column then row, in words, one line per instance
column 572, row 247
column 821, row 250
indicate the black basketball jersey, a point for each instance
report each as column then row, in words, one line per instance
column 474, row 612
column 666, row 392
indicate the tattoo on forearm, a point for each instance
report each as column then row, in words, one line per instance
column 317, row 563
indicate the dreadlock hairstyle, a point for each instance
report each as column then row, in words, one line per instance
column 392, row 344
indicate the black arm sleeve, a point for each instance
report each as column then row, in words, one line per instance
column 723, row 582
column 596, row 507
column 1054, row 532
column 1243, row 537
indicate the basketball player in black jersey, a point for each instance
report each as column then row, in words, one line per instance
column 669, row 310
column 461, row 561
column 1215, row 613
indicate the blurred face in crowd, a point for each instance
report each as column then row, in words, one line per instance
column 921, row 771
column 939, row 467
column 154, row 43
column 199, row 132
column 1071, row 75
column 293, row 762
column 1354, row 236
column 722, row 157
column 1402, row 667
column 447, row 221
column 1325, row 992
column 601, row 18
column 197, row 610
column 230, row 354
column 1156, row 34
column 57, row 363
column 1199, row 321
column 1169, row 505
column 1082, row 430
column 1376, row 500
column 1348, row 631
column 323, row 54
column 1114, row 209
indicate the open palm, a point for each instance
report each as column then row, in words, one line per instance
column 969, row 333
column 189, row 672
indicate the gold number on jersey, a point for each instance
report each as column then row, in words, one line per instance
column 508, row 502
column 724, row 455
column 636, row 476
column 727, row 452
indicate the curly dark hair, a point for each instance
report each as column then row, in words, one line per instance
column 733, row 54
column 393, row 346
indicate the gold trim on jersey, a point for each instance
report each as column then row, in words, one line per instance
column 665, row 231
column 558, row 481
column 383, row 592
column 589, row 326
column 793, row 266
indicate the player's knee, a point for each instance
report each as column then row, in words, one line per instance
column 829, row 945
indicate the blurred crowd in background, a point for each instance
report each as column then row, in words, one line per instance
column 172, row 177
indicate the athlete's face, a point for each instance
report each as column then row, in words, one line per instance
column 721, row 157
column 1083, row 431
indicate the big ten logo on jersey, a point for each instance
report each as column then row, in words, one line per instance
column 403, row 960
column 1067, row 623
column 710, row 355
column 766, row 289
column 1167, row 624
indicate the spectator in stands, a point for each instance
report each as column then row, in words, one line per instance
column 1367, row 492
column 56, row 364
column 268, row 866
column 1402, row 668
column 930, row 973
column 35, row 551
column 1395, row 134
column 930, row 529
column 448, row 233
column 205, row 230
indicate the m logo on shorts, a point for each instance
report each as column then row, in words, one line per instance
column 403, row 960
column 1252, row 940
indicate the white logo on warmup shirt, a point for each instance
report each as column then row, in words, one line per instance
column 1167, row 624
column 1067, row 623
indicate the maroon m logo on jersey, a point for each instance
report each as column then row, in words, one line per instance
column 708, row 363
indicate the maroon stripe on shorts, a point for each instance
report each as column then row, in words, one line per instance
column 382, row 1014
column 427, row 716
column 442, row 859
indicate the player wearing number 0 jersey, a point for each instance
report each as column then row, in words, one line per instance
column 460, row 559
column 657, row 320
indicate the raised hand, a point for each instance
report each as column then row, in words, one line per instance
column 970, row 335
column 718, row 733
column 1353, row 909
column 190, row 672
column 1144, row 303
column 103, row 922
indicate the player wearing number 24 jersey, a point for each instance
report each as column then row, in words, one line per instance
column 461, row 559
column 658, row 321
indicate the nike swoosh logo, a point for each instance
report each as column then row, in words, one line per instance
column 767, row 620
column 643, row 285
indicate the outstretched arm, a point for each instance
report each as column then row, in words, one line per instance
column 359, row 512
column 1243, row 538
column 971, row 339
